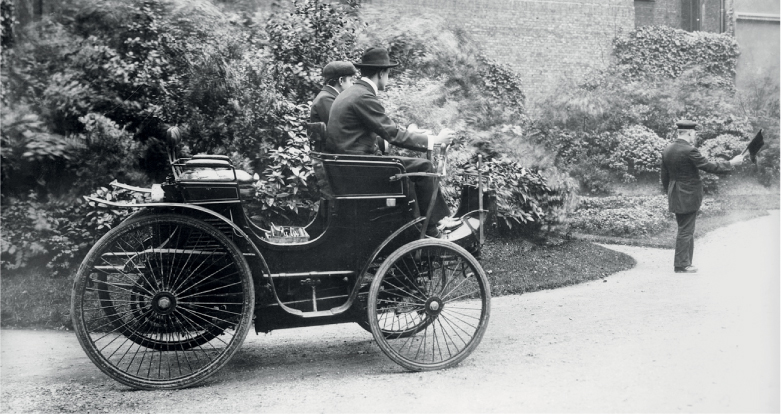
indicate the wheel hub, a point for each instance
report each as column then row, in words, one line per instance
column 164, row 303
column 434, row 306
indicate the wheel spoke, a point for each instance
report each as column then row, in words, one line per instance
column 204, row 279
column 174, row 286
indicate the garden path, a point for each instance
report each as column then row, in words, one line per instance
column 645, row 340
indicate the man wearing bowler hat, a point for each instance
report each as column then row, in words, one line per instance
column 681, row 163
column 338, row 76
column 358, row 118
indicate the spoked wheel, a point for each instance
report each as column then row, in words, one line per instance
column 429, row 305
column 162, row 301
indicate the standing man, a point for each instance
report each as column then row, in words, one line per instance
column 338, row 76
column 681, row 163
column 357, row 119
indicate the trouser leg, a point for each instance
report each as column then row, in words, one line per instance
column 424, row 189
column 684, row 241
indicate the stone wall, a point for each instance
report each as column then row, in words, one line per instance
column 542, row 40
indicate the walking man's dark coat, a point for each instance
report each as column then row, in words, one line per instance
column 681, row 163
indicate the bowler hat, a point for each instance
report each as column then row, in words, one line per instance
column 686, row 124
column 375, row 57
column 338, row 68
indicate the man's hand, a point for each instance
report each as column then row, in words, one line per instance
column 445, row 137
column 738, row 160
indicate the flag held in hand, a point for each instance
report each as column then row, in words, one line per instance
column 754, row 146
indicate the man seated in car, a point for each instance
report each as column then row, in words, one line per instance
column 338, row 76
column 358, row 118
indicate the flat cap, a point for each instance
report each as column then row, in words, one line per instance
column 686, row 124
column 338, row 68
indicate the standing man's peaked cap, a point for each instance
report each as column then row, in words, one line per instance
column 686, row 124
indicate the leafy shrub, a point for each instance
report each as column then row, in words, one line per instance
column 639, row 150
column 304, row 40
column 759, row 100
column 618, row 222
column 109, row 153
column 31, row 156
column 571, row 119
column 768, row 162
column 724, row 146
column 287, row 188
column 54, row 235
column 23, row 224
column 718, row 123
column 524, row 201
column 665, row 51
column 573, row 146
column 710, row 182
column 7, row 22
column 593, row 181
column 621, row 216
column 502, row 83
column 560, row 200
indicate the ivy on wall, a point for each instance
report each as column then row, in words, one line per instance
column 668, row 52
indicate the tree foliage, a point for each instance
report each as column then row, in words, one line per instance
column 304, row 40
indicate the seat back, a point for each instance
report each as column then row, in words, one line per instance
column 317, row 134
column 358, row 176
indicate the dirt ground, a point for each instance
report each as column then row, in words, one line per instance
column 643, row 340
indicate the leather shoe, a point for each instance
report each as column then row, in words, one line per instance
column 433, row 232
column 687, row 269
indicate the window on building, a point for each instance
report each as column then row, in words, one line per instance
column 690, row 15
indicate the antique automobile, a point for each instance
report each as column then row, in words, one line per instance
column 163, row 300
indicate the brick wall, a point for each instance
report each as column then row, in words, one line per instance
column 542, row 40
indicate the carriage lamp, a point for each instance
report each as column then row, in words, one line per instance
column 157, row 193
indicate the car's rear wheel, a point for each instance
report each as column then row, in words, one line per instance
column 162, row 301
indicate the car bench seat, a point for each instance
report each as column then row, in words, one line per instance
column 343, row 176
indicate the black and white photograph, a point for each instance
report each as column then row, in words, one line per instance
column 390, row 206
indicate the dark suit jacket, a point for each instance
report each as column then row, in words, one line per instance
column 681, row 163
column 321, row 106
column 356, row 116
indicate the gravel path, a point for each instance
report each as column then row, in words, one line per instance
column 645, row 340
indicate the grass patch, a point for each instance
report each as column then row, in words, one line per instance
column 666, row 238
column 518, row 266
column 514, row 265
column 33, row 300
